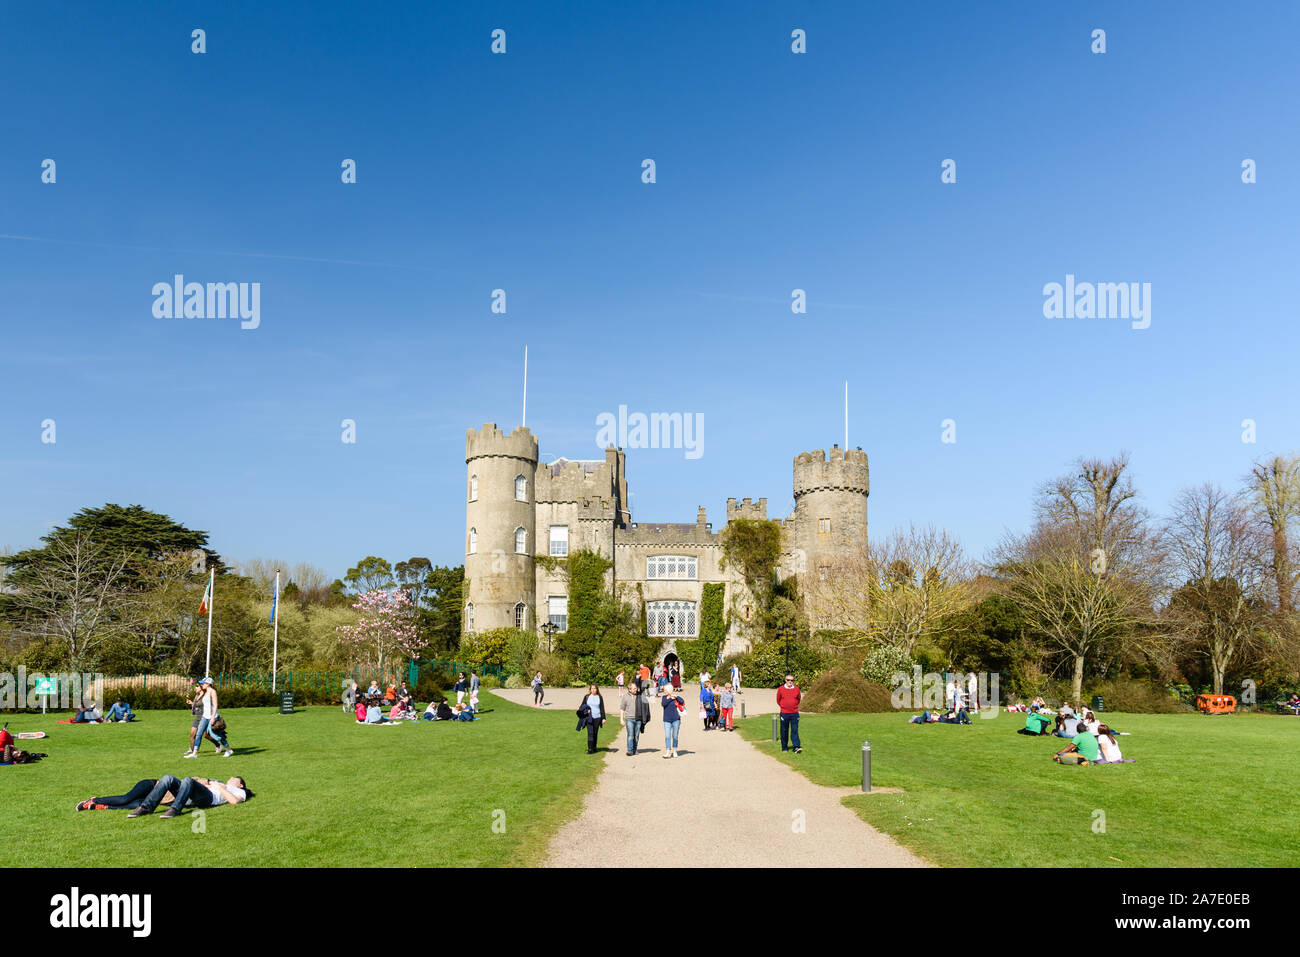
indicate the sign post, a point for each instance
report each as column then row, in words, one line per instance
column 286, row 702
column 45, row 688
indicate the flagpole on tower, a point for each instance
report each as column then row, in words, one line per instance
column 212, row 597
column 523, row 419
column 846, row 415
column 275, row 621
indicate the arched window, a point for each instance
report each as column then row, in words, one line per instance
column 670, row 619
column 521, row 489
column 521, row 615
column 473, row 488
column 473, row 540
column 469, row 617
column 521, row 541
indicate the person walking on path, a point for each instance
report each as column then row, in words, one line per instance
column 538, row 691
column 619, row 681
column 735, row 677
column 677, row 678
column 706, row 703
column 460, row 687
column 208, row 698
column 473, row 687
column 595, row 705
column 634, row 713
column 787, row 699
column 673, row 708
column 727, row 704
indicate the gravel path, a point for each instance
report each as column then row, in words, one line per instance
column 721, row 795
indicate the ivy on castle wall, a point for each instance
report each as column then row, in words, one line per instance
column 701, row 654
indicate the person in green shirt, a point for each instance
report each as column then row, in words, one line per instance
column 1035, row 723
column 1083, row 749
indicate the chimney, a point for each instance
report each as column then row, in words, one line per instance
column 699, row 517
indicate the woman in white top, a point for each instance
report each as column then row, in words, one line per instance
column 1110, row 752
column 209, row 715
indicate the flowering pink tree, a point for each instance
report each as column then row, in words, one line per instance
column 386, row 628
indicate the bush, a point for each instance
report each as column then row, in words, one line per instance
column 764, row 665
column 556, row 670
column 488, row 647
column 431, row 685
column 515, row 682
column 885, row 661
column 1137, row 697
column 488, row 682
column 844, row 690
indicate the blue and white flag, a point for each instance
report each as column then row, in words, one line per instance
column 275, row 598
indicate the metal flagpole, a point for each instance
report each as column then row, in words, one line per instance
column 523, row 421
column 846, row 415
column 275, row 641
column 212, row 600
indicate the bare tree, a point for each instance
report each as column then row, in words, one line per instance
column 76, row 595
column 898, row 591
column 1067, row 601
column 1220, row 610
column 1274, row 489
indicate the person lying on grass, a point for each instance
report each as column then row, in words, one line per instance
column 87, row 714
column 192, row 792
column 11, row 755
column 1083, row 749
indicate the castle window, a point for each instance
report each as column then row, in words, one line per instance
column 823, row 526
column 521, row 541
column 680, row 567
column 469, row 617
column 670, row 619
column 473, row 488
column 557, row 611
column 560, row 540
column 521, row 489
column 521, row 615
column 473, row 540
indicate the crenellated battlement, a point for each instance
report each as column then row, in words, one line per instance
column 841, row 470
column 489, row 440
column 747, row 509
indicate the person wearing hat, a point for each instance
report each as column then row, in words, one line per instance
column 121, row 711
column 208, row 700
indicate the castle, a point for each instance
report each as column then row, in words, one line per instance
column 517, row 509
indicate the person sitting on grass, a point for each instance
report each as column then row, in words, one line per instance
column 1083, row 749
column 361, row 711
column 463, row 712
column 373, row 714
column 1110, row 752
column 87, row 714
column 195, row 792
column 121, row 711
column 1293, row 703
column 925, row 717
column 1067, row 724
column 1035, row 722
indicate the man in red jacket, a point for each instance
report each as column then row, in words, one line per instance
column 787, row 699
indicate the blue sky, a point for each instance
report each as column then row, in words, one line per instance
column 775, row 171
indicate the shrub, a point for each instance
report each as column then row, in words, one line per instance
column 488, row 682
column 488, row 647
column 556, row 670
column 1137, row 697
column 516, row 682
column 431, row 685
column 845, row 690
column 885, row 661
column 764, row 665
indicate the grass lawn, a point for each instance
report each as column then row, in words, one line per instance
column 329, row 792
column 1204, row 791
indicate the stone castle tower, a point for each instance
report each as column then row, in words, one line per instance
column 499, row 575
column 830, row 508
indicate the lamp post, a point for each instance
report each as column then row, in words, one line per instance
column 784, row 632
column 549, row 629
